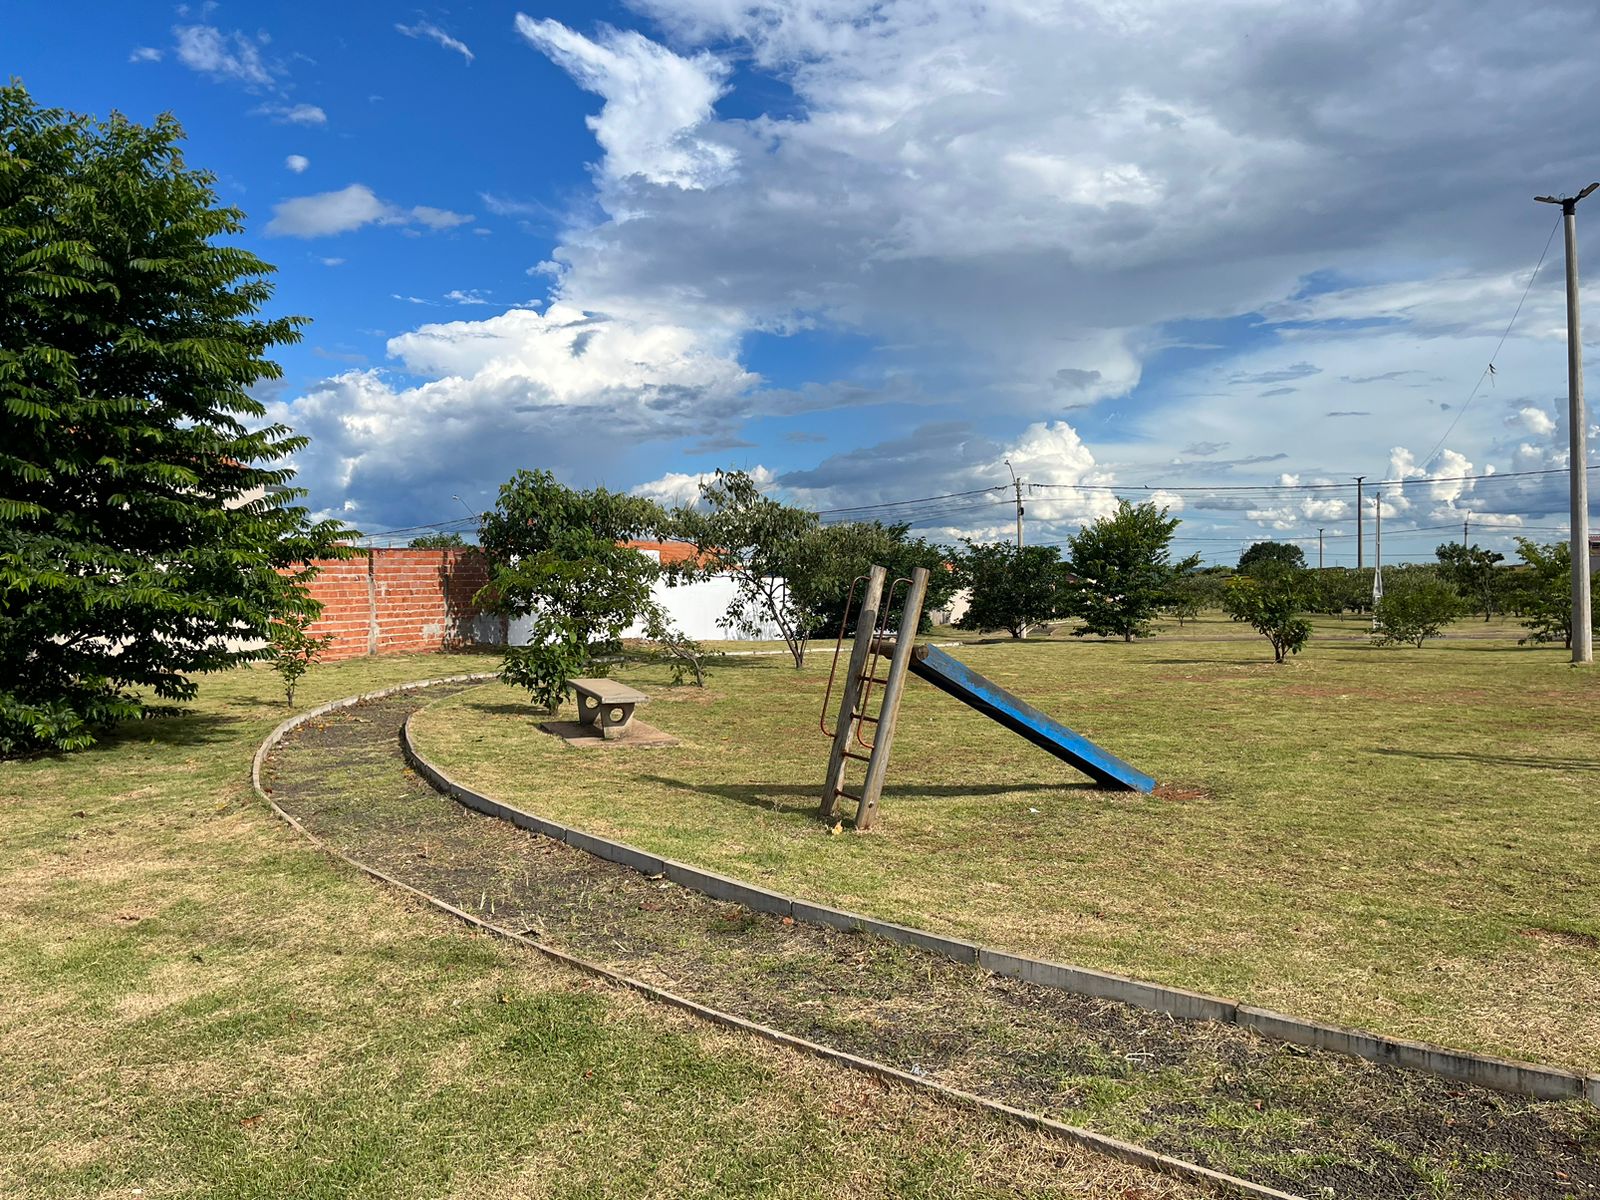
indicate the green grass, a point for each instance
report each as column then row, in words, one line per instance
column 194, row 1002
column 1393, row 838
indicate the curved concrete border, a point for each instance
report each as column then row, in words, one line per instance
column 1498, row 1074
column 1098, row 1143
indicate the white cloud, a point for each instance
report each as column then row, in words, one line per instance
column 232, row 57
column 566, row 389
column 294, row 114
column 145, row 54
column 297, row 163
column 655, row 101
column 676, row 489
column 1537, row 421
column 466, row 296
column 331, row 262
column 427, row 29
column 349, row 208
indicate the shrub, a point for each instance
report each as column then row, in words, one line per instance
column 1271, row 603
column 1415, row 608
column 292, row 652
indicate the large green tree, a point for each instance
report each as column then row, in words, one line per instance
column 147, row 525
column 1126, row 572
column 1546, row 602
column 558, row 556
column 1011, row 589
column 1271, row 556
column 1474, row 573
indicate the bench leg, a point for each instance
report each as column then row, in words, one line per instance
column 614, row 719
column 588, row 710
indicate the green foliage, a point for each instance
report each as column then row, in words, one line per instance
column 1546, row 591
column 1271, row 602
column 1195, row 592
column 1474, row 573
column 292, row 651
column 1338, row 590
column 556, row 555
column 768, row 548
column 145, row 528
column 1271, row 556
column 556, row 654
column 831, row 557
column 1011, row 590
column 437, row 541
column 1416, row 605
column 1125, row 571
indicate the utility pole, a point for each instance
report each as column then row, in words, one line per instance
column 1359, row 561
column 1577, row 430
column 1319, row 549
column 1464, row 525
column 1377, row 557
column 1017, row 483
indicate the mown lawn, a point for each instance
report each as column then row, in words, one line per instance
column 1393, row 838
column 193, row 1002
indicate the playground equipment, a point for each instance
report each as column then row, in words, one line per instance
column 854, row 716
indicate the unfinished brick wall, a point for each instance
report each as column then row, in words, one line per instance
column 403, row 601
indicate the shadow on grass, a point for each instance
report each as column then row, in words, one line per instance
column 1494, row 760
column 172, row 729
column 804, row 797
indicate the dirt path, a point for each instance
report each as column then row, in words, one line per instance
column 1302, row 1120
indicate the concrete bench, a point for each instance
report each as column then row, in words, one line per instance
column 606, row 704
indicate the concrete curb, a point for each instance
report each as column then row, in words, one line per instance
column 1088, row 1139
column 1498, row 1074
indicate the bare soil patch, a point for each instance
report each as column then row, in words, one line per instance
column 1306, row 1121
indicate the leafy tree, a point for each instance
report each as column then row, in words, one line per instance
column 832, row 556
column 147, row 526
column 1271, row 602
column 1546, row 601
column 1337, row 590
column 292, row 651
column 766, row 547
column 1125, row 571
column 1011, row 589
column 437, row 541
column 685, row 656
column 1195, row 592
column 1474, row 573
column 1415, row 606
column 556, row 555
column 1272, row 556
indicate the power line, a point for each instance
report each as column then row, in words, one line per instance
column 1297, row 487
column 1488, row 371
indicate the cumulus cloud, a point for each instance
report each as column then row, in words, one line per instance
column 297, row 163
column 562, row 389
column 677, row 489
column 427, row 29
column 349, row 208
column 655, row 101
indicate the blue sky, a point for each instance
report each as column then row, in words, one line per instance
column 872, row 251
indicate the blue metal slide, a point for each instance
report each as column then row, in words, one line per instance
column 1017, row 715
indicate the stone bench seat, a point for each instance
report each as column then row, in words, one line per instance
column 607, row 704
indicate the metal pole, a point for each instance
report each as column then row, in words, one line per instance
column 1577, row 430
column 1017, row 483
column 1319, row 549
column 1464, row 525
column 1360, row 562
column 1577, row 435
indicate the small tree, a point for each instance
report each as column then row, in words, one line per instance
column 684, row 655
column 1415, row 606
column 832, row 556
column 148, row 532
column 1271, row 602
column 1011, row 590
column 1474, row 573
column 1125, row 571
column 1546, row 598
column 292, row 651
column 558, row 556
column 764, row 546
column 1271, row 556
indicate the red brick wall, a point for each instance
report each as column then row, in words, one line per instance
column 400, row 601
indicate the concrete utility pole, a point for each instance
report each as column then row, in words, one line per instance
column 1360, row 562
column 1377, row 557
column 1577, row 429
column 1464, row 525
column 1017, row 483
column 1319, row 549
